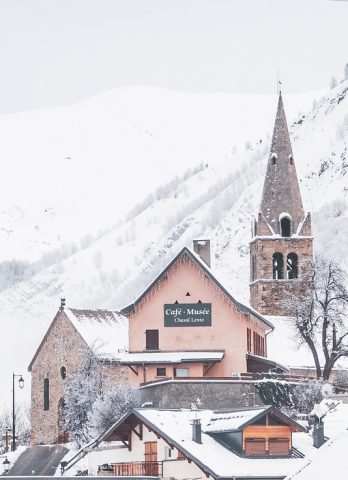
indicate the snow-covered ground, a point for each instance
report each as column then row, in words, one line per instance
column 72, row 173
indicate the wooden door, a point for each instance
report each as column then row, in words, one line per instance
column 151, row 465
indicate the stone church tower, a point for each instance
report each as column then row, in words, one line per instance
column 282, row 241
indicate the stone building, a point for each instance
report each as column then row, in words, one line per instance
column 71, row 334
column 282, row 243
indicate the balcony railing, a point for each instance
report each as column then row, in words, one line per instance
column 135, row 469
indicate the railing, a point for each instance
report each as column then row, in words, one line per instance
column 136, row 469
column 247, row 376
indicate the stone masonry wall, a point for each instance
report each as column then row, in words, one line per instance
column 266, row 293
column 212, row 394
column 63, row 347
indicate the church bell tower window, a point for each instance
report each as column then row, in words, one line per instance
column 278, row 266
column 292, row 266
column 285, row 227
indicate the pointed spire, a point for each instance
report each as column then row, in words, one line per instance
column 281, row 193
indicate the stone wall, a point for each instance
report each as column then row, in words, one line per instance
column 62, row 347
column 267, row 294
column 212, row 394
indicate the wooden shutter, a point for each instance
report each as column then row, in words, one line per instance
column 248, row 340
column 278, row 446
column 255, row 446
column 152, row 340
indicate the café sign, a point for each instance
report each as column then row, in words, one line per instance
column 187, row 314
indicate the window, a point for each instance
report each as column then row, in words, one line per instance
column 248, row 340
column 285, row 227
column 46, row 394
column 253, row 268
column 152, row 340
column 259, row 345
column 63, row 372
column 161, row 372
column 291, row 159
column 255, row 446
column 278, row 266
column 181, row 372
column 274, row 157
column 292, row 266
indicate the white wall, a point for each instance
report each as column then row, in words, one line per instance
column 116, row 452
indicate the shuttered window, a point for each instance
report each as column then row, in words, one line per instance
column 152, row 340
column 259, row 344
column 248, row 340
column 255, row 446
column 278, row 446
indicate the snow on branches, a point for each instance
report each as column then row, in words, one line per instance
column 320, row 318
column 91, row 404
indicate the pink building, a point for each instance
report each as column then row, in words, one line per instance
column 186, row 324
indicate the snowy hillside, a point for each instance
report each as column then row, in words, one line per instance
column 74, row 172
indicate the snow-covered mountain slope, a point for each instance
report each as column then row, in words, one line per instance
column 99, row 158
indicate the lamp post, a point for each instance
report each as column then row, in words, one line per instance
column 5, row 466
column 21, row 385
column 7, row 431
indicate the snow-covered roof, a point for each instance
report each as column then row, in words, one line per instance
column 176, row 427
column 230, row 421
column 105, row 331
column 329, row 461
column 171, row 357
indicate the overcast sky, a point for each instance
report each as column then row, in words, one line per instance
column 56, row 52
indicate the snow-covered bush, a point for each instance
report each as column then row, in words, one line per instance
column 91, row 404
column 81, row 392
column 110, row 406
column 341, row 381
column 306, row 395
column 290, row 397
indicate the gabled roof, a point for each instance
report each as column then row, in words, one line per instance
column 203, row 266
column 175, row 427
column 104, row 331
column 238, row 419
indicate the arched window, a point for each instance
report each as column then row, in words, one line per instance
column 274, row 157
column 278, row 266
column 292, row 266
column 285, row 227
column 291, row 159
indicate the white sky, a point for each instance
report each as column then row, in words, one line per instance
column 55, row 52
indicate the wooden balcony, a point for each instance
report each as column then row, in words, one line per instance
column 137, row 469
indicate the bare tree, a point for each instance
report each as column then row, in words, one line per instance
column 320, row 314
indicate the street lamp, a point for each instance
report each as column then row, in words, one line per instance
column 21, row 385
column 6, row 466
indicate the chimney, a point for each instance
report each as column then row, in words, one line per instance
column 318, row 434
column 62, row 304
column 202, row 248
column 197, row 430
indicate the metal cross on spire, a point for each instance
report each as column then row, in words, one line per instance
column 279, row 83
